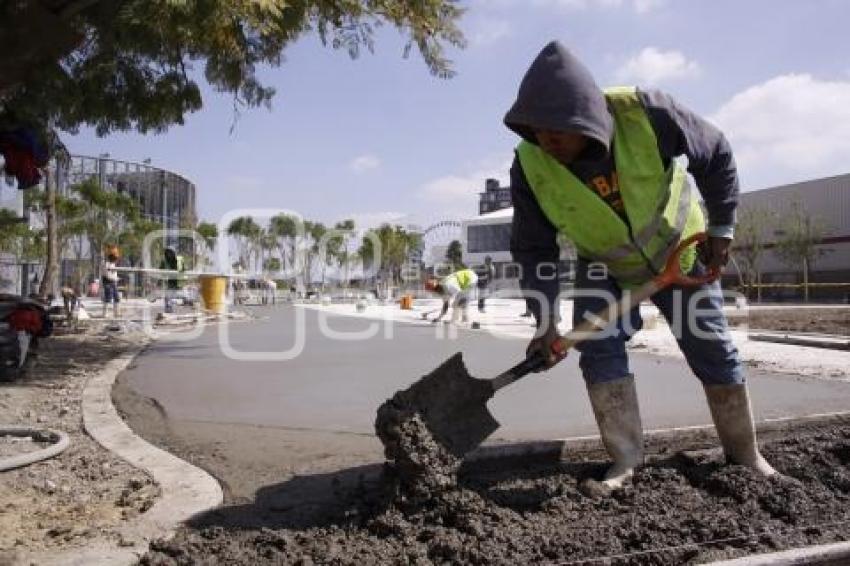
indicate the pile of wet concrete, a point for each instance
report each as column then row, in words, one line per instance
column 684, row 507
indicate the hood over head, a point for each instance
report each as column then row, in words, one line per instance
column 559, row 93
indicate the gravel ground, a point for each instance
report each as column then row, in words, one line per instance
column 822, row 321
column 81, row 496
column 685, row 507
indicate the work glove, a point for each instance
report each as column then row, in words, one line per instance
column 541, row 344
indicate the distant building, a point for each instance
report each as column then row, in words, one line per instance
column 494, row 197
column 826, row 202
column 163, row 196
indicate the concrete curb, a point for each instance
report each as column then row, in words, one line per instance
column 828, row 342
column 185, row 489
column 833, row 554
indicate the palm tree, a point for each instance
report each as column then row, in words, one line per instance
column 338, row 248
column 245, row 231
column 283, row 228
column 209, row 238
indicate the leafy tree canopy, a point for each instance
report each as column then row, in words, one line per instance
column 119, row 65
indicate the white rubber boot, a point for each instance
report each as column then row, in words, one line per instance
column 733, row 420
column 615, row 406
column 116, row 312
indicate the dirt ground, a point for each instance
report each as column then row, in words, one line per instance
column 822, row 321
column 685, row 507
column 82, row 495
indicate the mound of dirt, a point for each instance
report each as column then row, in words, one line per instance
column 423, row 466
column 684, row 508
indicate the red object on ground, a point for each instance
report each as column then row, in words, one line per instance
column 27, row 320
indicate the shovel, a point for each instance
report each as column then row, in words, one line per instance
column 453, row 404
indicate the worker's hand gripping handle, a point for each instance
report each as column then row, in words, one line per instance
column 671, row 275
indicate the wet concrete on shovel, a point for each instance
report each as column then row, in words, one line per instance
column 686, row 506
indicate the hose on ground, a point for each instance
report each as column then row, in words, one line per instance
column 58, row 440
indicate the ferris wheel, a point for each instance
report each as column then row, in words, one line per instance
column 436, row 239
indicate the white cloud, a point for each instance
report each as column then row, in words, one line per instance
column 488, row 32
column 364, row 163
column 652, row 66
column 456, row 195
column 646, row 6
column 789, row 128
column 639, row 6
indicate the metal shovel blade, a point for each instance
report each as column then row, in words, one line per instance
column 453, row 405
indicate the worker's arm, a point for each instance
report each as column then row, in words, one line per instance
column 443, row 311
column 682, row 132
column 533, row 244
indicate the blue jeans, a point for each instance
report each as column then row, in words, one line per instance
column 695, row 316
column 110, row 292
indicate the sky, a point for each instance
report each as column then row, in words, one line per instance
column 380, row 139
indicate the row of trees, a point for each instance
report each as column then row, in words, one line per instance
column 794, row 236
column 305, row 249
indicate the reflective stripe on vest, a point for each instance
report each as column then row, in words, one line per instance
column 659, row 204
column 463, row 278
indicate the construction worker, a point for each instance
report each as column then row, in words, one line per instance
column 456, row 290
column 172, row 261
column 109, row 282
column 600, row 168
column 486, row 274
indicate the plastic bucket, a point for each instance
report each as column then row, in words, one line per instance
column 212, row 292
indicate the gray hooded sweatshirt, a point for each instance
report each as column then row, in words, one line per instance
column 559, row 93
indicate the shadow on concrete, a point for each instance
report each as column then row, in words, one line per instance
column 308, row 501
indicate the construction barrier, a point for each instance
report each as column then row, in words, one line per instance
column 213, row 288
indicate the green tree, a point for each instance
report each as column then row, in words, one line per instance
column 366, row 253
column 751, row 232
column 454, row 254
column 121, row 65
column 395, row 246
column 313, row 251
column 337, row 247
column 799, row 235
column 245, row 231
column 284, row 229
column 266, row 243
column 208, row 232
column 108, row 215
column 272, row 265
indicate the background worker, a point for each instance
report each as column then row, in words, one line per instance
column 109, row 282
column 173, row 283
column 600, row 168
column 486, row 273
column 456, row 290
